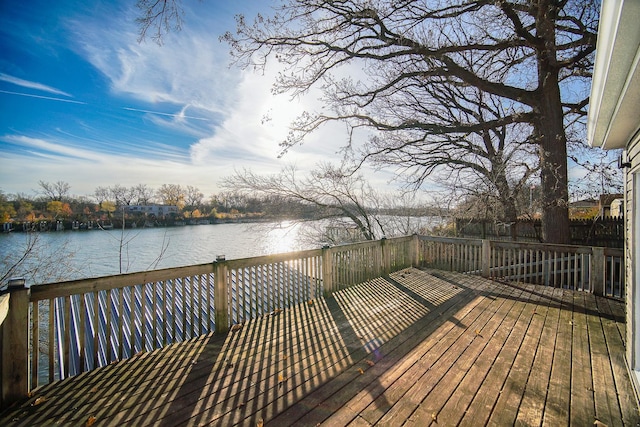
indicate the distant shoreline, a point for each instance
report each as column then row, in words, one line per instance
column 72, row 225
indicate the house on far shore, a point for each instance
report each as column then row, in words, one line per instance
column 614, row 123
column 158, row 211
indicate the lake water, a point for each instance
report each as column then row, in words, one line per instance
column 81, row 254
column 68, row 255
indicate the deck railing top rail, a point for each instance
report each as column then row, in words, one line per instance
column 270, row 259
column 519, row 245
column 104, row 283
column 551, row 247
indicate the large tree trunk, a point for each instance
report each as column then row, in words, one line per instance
column 553, row 168
column 553, row 173
column 511, row 217
column 553, row 176
column 549, row 129
column 507, row 199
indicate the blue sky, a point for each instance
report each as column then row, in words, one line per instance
column 83, row 102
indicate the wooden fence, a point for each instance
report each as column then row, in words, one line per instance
column 57, row 330
column 591, row 269
column 600, row 231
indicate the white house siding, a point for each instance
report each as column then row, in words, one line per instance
column 632, row 251
column 613, row 122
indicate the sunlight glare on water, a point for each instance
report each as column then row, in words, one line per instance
column 284, row 238
column 103, row 252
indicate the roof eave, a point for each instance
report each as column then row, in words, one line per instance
column 615, row 91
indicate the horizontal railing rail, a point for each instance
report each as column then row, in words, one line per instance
column 57, row 330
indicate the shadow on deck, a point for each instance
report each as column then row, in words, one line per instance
column 418, row 347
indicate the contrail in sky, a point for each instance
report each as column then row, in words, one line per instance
column 84, row 103
column 43, row 97
column 165, row 114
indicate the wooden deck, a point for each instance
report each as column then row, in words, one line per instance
column 418, row 348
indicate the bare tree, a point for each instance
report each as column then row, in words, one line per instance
column 230, row 199
column 335, row 194
column 25, row 208
column 171, row 194
column 37, row 262
column 405, row 214
column 534, row 57
column 160, row 16
column 55, row 191
column 193, row 198
column 602, row 175
column 143, row 194
column 122, row 195
column 495, row 160
column 102, row 194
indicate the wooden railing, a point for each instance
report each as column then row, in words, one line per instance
column 591, row 269
column 62, row 329
column 58, row 330
column 351, row 264
column 251, row 287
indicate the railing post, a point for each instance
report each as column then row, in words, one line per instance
column 221, row 294
column 486, row 258
column 415, row 251
column 327, row 271
column 15, row 344
column 386, row 258
column 596, row 278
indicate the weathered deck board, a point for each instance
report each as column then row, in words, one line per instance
column 481, row 343
column 448, row 343
column 606, row 403
column 510, row 397
column 479, row 378
column 556, row 411
column 582, row 409
column 615, row 346
column 419, row 347
column 484, row 401
column 351, row 383
column 534, row 398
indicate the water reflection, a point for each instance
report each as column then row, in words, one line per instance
column 285, row 237
column 81, row 254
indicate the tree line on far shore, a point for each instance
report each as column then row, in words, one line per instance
column 54, row 201
column 344, row 200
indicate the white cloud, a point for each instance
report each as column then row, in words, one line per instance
column 32, row 85
column 44, row 147
column 190, row 70
column 85, row 170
